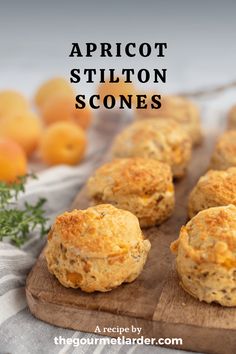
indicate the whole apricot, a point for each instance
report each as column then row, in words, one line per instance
column 116, row 89
column 13, row 162
column 63, row 143
column 62, row 108
column 12, row 102
column 23, row 128
column 54, row 87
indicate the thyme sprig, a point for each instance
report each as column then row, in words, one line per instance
column 17, row 223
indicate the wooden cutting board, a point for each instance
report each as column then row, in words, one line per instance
column 155, row 302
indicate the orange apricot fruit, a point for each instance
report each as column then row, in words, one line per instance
column 63, row 143
column 116, row 89
column 12, row 102
column 23, row 128
column 13, row 162
column 62, row 108
column 52, row 88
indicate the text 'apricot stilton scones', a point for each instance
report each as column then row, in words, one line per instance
column 206, row 255
column 215, row 188
column 162, row 139
column 142, row 186
column 96, row 249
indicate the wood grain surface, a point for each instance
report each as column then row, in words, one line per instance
column 154, row 301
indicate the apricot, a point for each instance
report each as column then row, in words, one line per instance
column 23, row 128
column 12, row 102
column 52, row 88
column 13, row 162
column 62, row 108
column 116, row 89
column 63, row 143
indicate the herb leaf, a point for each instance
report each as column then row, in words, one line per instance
column 16, row 224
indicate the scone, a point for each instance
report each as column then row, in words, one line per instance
column 206, row 255
column 142, row 186
column 180, row 109
column 224, row 155
column 163, row 140
column 232, row 118
column 215, row 188
column 96, row 249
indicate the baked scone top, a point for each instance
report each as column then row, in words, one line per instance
column 99, row 231
column 210, row 237
column 136, row 176
column 151, row 136
column 226, row 145
column 180, row 108
column 217, row 186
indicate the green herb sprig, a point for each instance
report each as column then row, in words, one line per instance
column 16, row 224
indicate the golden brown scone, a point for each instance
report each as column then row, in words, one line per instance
column 232, row 118
column 142, row 186
column 206, row 255
column 96, row 249
column 180, row 109
column 215, row 188
column 163, row 140
column 224, row 155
